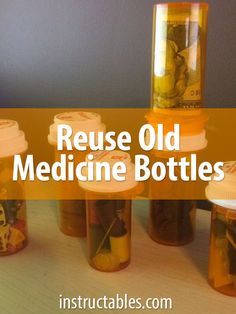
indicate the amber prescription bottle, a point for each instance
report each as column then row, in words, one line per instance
column 72, row 213
column 13, row 222
column 222, row 258
column 108, row 207
column 172, row 222
column 178, row 55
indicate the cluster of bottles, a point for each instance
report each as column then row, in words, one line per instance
column 104, row 216
column 104, row 219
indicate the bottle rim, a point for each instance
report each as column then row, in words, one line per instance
column 182, row 4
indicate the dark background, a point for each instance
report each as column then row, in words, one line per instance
column 97, row 53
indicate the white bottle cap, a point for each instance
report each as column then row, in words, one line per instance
column 193, row 143
column 113, row 185
column 188, row 143
column 78, row 121
column 223, row 193
column 12, row 139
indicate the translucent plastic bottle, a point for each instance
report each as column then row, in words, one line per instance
column 109, row 233
column 13, row 220
column 172, row 221
column 108, row 206
column 178, row 57
column 222, row 258
column 72, row 213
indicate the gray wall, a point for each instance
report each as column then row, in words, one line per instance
column 97, row 53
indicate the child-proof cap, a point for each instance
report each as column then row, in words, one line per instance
column 12, row 139
column 78, row 121
column 193, row 143
column 223, row 193
column 191, row 122
column 113, row 185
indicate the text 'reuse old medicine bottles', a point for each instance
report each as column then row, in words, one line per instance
column 109, row 216
column 72, row 216
column 178, row 56
column 222, row 259
column 13, row 224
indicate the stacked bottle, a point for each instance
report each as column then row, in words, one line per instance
column 178, row 67
column 178, row 56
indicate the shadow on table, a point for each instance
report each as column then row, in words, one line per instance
column 83, row 245
column 141, row 212
column 197, row 251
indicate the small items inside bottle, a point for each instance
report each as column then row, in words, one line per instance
column 13, row 224
column 172, row 222
column 109, row 234
column 223, row 251
column 13, row 233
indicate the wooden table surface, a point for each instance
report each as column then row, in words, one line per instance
column 53, row 264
